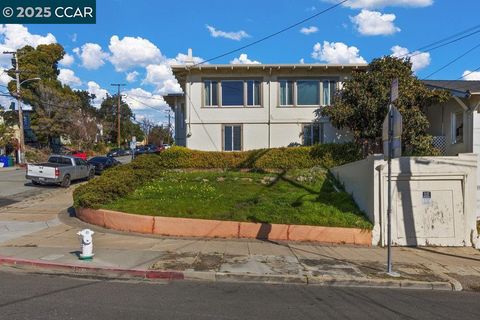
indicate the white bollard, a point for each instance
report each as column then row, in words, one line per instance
column 86, row 244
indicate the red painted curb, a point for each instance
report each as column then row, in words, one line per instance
column 204, row 228
column 77, row 269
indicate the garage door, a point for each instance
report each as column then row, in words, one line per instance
column 428, row 212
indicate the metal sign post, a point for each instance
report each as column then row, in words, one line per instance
column 133, row 144
column 392, row 132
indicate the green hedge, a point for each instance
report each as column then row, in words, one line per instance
column 122, row 180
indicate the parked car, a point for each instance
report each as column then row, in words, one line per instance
column 77, row 153
column 116, row 152
column 103, row 163
column 59, row 169
column 62, row 150
column 140, row 150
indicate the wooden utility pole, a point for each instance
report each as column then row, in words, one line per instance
column 118, row 85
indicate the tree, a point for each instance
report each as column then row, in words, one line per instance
column 159, row 135
column 361, row 105
column 108, row 114
column 6, row 131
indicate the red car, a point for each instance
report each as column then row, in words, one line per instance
column 78, row 154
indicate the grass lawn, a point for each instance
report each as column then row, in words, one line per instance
column 305, row 197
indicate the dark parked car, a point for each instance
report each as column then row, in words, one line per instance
column 103, row 163
column 117, row 152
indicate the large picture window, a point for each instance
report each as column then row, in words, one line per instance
column 308, row 93
column 232, row 137
column 232, row 93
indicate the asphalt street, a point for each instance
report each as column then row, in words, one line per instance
column 14, row 187
column 35, row 296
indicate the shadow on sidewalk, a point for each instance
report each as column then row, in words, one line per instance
column 445, row 254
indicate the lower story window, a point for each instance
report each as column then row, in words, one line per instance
column 232, row 137
column 312, row 134
column 457, row 127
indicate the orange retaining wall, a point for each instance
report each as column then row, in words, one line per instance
column 183, row 227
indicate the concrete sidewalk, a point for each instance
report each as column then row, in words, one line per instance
column 56, row 244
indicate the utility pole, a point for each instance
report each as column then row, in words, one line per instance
column 118, row 85
column 21, row 151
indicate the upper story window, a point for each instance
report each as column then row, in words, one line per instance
column 211, row 94
column 232, row 93
column 306, row 92
column 286, row 92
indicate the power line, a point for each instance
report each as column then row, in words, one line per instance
column 468, row 73
column 423, row 48
column 416, row 53
column 143, row 103
column 452, row 61
column 272, row 34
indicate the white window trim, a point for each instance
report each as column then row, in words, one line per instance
column 233, row 136
column 331, row 82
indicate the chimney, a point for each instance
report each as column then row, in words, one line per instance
column 189, row 60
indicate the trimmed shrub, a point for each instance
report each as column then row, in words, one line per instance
column 120, row 181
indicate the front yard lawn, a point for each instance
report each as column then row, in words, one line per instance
column 305, row 196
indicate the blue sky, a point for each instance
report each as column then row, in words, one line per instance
column 139, row 39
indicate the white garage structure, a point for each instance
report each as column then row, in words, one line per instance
column 433, row 198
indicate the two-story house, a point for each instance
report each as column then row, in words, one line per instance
column 244, row 107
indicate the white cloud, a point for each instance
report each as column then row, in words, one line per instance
column 471, row 75
column 16, row 36
column 132, row 76
column 372, row 4
column 302, row 61
column 182, row 58
column 309, row 30
column 91, row 55
column 336, row 52
column 67, row 60
column 68, row 77
column 74, row 37
column 238, row 35
column 374, row 23
column 133, row 52
column 161, row 76
column 418, row 59
column 243, row 59
column 139, row 99
column 100, row 93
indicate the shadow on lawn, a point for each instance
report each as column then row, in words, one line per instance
column 327, row 194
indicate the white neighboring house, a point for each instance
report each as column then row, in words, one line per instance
column 243, row 107
column 455, row 124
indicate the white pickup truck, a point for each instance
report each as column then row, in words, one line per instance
column 60, row 170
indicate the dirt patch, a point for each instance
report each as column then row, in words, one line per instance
column 469, row 282
column 188, row 261
column 406, row 271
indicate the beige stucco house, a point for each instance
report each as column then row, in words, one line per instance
column 244, row 107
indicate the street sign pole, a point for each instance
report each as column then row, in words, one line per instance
column 391, row 153
column 389, row 205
